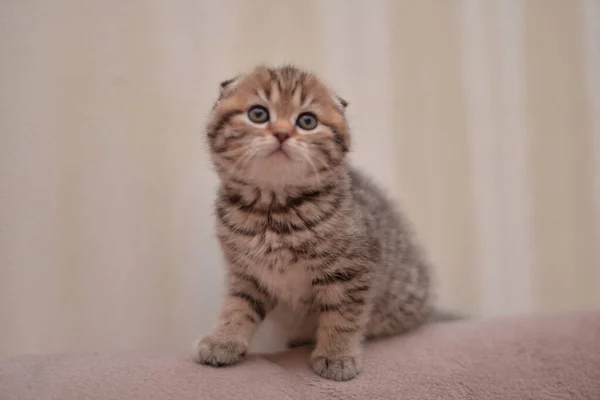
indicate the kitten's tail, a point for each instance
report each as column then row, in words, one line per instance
column 444, row 316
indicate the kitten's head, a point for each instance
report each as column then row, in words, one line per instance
column 277, row 126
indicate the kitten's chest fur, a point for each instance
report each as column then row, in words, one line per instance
column 267, row 257
column 284, row 238
column 290, row 285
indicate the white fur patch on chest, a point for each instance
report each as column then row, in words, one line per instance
column 290, row 284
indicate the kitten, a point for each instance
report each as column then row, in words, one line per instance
column 302, row 231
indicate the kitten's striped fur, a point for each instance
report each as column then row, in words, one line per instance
column 306, row 237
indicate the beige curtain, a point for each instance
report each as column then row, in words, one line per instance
column 498, row 139
column 481, row 118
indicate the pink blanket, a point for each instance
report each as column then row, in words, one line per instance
column 542, row 357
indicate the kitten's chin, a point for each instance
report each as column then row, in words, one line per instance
column 278, row 169
column 281, row 153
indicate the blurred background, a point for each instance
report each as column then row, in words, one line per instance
column 482, row 118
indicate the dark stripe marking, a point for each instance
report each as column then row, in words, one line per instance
column 358, row 289
column 240, row 230
column 345, row 329
column 340, row 141
column 307, row 251
column 284, row 227
column 290, row 202
column 251, row 318
column 254, row 281
column 214, row 131
column 227, row 141
column 344, row 305
column 343, row 275
column 257, row 305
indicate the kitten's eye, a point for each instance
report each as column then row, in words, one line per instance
column 307, row 121
column 258, row 114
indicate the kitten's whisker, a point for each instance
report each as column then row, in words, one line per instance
column 249, row 154
column 318, row 157
column 247, row 150
column 256, row 150
column 234, row 152
column 304, row 153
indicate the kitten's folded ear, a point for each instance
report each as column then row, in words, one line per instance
column 227, row 85
column 340, row 102
column 224, row 87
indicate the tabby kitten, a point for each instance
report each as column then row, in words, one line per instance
column 304, row 234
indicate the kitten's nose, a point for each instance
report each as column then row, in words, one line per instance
column 282, row 136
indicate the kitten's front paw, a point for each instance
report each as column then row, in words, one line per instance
column 219, row 351
column 337, row 368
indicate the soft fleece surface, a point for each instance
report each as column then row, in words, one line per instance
column 542, row 357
